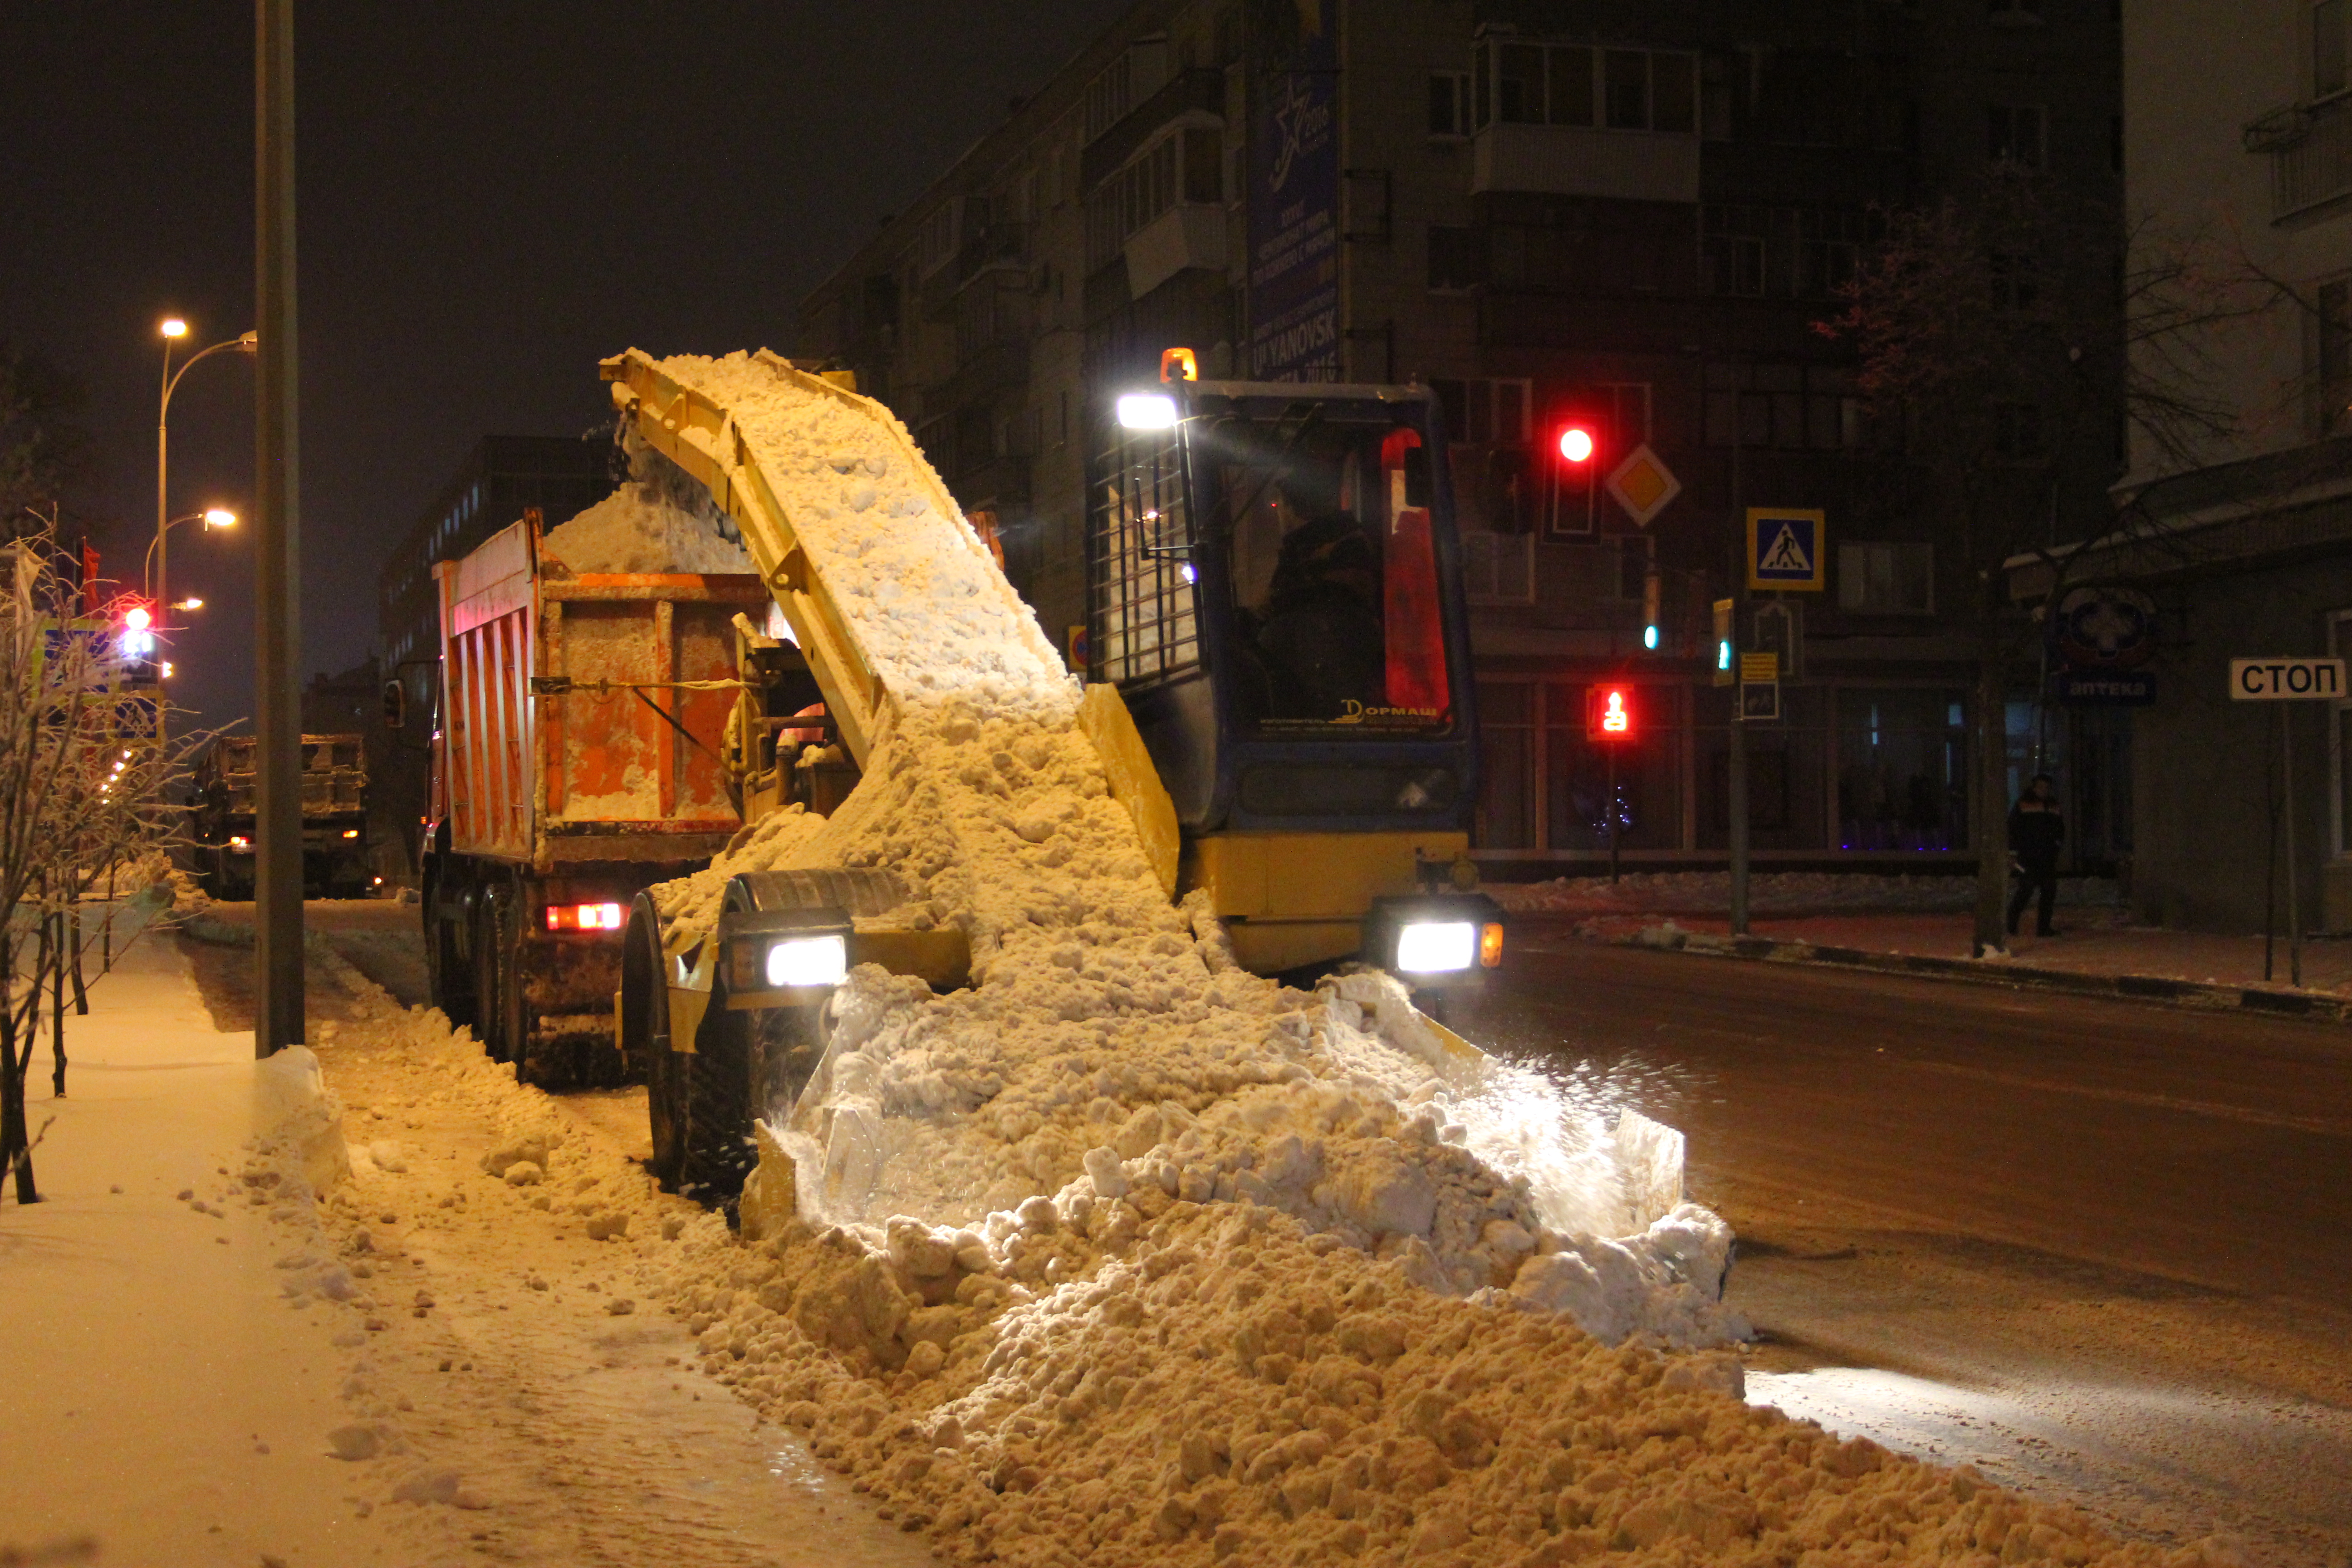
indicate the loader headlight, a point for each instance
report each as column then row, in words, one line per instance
column 1435, row 939
column 808, row 961
column 789, row 957
column 1437, row 947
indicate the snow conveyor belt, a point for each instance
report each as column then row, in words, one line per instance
column 1111, row 1059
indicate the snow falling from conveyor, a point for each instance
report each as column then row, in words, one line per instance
column 1109, row 1043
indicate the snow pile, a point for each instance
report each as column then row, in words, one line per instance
column 1233, row 1391
column 634, row 529
column 1227, row 1389
column 1769, row 892
column 1110, row 1057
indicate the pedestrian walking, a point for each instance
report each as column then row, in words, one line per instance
column 2036, row 830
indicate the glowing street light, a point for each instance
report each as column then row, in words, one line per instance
column 174, row 327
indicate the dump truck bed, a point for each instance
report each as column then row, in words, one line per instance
column 585, row 715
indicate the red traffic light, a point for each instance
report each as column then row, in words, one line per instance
column 138, row 617
column 1576, row 444
column 1608, row 713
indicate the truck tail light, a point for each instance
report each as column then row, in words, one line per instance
column 583, row 917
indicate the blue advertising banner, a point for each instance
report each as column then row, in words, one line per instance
column 1293, row 201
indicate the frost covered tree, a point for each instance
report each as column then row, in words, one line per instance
column 80, row 790
column 2002, row 347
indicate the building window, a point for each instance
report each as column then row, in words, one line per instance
column 2016, row 133
column 1457, row 256
column 1507, row 741
column 1484, row 411
column 1903, row 770
column 1183, row 165
column 2016, row 282
column 2017, row 433
column 2327, row 51
column 2332, row 322
column 1498, row 568
column 1449, row 104
column 1792, row 407
column 1886, row 579
column 1752, row 250
column 1574, row 84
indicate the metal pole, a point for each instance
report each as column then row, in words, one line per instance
column 1736, row 769
column 1615, row 818
column 278, row 879
column 2293, row 896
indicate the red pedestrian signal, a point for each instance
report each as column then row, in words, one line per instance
column 1609, row 714
column 1576, row 444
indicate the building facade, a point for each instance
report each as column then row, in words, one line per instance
column 501, row 477
column 2236, row 530
column 1623, row 218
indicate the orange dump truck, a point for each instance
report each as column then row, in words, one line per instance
column 581, row 755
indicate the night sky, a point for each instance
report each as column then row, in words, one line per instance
column 492, row 197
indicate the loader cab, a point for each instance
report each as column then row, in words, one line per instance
column 1277, row 590
column 1275, row 587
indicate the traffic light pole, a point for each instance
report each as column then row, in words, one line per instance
column 1736, row 769
column 1616, row 818
column 278, row 827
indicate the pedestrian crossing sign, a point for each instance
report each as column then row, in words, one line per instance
column 1785, row 549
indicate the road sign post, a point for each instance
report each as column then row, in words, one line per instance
column 2286, row 680
column 1609, row 723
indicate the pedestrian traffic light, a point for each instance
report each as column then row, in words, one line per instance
column 138, row 631
column 1609, row 714
column 1650, row 608
column 1724, row 674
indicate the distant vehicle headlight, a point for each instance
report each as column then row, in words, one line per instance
column 808, row 961
column 1437, row 947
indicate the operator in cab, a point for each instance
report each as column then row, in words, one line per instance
column 1319, row 630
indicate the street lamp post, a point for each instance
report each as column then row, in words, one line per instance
column 151, row 582
column 174, row 330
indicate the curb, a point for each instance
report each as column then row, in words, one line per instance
column 2270, row 1001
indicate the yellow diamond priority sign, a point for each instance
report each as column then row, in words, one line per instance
column 1642, row 485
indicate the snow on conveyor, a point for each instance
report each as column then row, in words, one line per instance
column 1124, row 1210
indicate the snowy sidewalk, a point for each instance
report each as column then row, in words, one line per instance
column 160, row 1400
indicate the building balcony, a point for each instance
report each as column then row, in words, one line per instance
column 1580, row 161
column 1188, row 235
column 2310, row 148
column 1202, row 89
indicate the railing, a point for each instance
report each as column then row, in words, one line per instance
column 2310, row 148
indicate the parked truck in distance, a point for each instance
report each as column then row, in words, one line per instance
column 335, row 863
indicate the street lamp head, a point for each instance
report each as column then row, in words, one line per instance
column 174, row 327
column 189, row 604
column 220, row 517
column 249, row 343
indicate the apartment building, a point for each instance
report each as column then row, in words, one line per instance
column 2234, row 531
column 1622, row 217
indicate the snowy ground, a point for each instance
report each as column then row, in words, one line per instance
column 480, row 1364
column 169, row 1401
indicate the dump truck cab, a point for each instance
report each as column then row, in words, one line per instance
column 1274, row 587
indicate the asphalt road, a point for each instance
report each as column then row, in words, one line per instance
column 2102, row 1250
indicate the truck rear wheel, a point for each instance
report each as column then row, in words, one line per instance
column 493, row 978
column 447, row 982
column 644, row 1040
